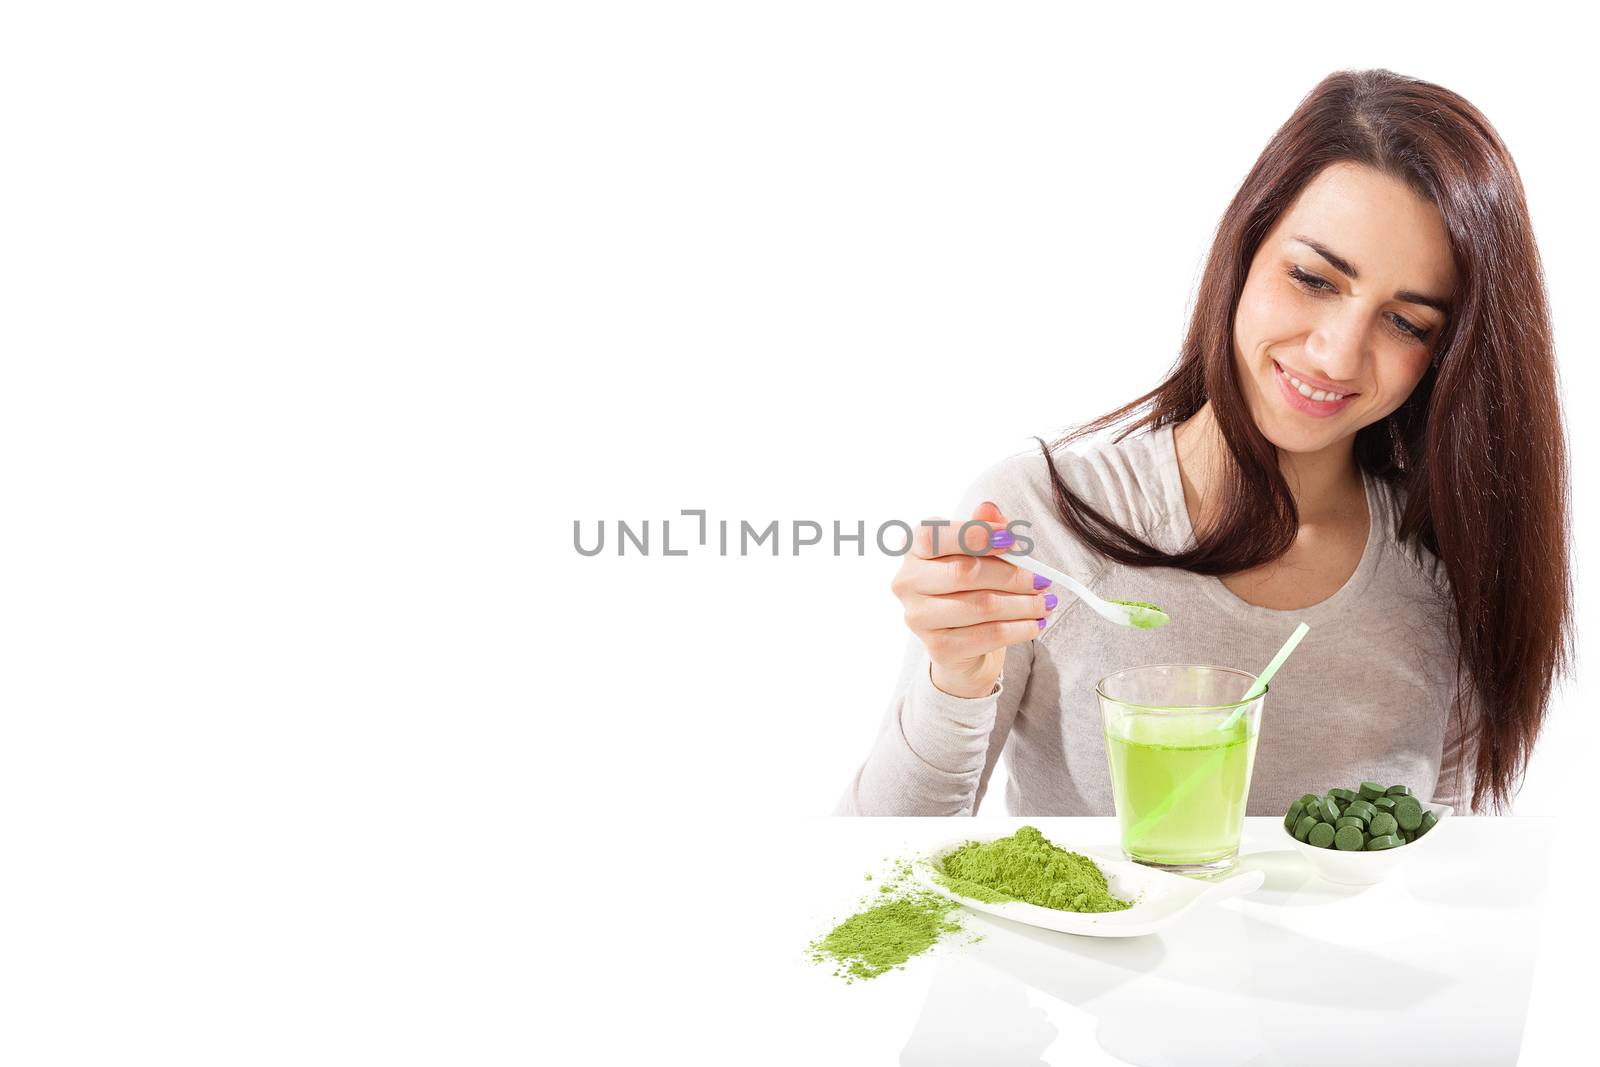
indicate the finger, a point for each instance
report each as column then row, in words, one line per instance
column 984, row 533
column 977, row 606
column 955, row 574
column 968, row 642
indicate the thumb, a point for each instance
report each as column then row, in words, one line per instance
column 975, row 539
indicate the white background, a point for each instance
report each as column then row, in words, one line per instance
column 322, row 323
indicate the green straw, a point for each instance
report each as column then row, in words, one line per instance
column 1266, row 675
column 1139, row 829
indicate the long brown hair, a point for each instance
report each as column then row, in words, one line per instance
column 1477, row 452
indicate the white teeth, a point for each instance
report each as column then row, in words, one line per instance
column 1306, row 390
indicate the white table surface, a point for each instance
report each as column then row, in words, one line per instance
column 1434, row 965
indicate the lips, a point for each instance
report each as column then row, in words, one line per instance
column 1319, row 409
column 1314, row 383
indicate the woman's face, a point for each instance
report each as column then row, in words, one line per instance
column 1338, row 298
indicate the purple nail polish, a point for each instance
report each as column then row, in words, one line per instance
column 1041, row 582
column 1050, row 601
column 1001, row 539
column 1041, row 624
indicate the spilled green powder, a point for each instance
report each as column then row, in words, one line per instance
column 1142, row 620
column 905, row 920
column 1026, row 867
column 883, row 937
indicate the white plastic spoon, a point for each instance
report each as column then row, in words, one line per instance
column 1140, row 616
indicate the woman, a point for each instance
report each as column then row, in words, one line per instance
column 1362, row 432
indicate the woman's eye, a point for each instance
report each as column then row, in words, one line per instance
column 1310, row 281
column 1419, row 332
column 1318, row 285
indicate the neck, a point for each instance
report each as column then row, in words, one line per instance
column 1326, row 485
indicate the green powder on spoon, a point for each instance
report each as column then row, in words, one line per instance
column 1142, row 617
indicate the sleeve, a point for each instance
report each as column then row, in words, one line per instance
column 934, row 752
column 1458, row 759
column 1458, row 755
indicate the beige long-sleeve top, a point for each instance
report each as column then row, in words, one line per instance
column 1367, row 696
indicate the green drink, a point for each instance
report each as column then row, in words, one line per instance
column 1178, row 782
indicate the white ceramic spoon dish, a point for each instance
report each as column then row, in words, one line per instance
column 1159, row 898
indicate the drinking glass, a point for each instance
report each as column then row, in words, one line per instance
column 1179, row 783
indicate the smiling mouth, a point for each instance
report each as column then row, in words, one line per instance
column 1310, row 392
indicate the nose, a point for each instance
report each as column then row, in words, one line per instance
column 1337, row 348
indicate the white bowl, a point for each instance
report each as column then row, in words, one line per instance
column 1365, row 868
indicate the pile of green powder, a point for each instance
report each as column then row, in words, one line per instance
column 1025, row 867
column 903, row 920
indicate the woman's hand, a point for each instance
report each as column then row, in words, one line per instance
column 967, row 606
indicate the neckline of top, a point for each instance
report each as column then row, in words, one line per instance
column 1178, row 516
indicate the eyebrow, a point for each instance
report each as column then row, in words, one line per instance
column 1343, row 266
